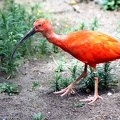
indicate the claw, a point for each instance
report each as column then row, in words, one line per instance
column 64, row 91
column 91, row 99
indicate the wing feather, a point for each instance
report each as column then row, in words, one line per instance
column 92, row 47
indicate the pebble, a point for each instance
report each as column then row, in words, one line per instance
column 109, row 94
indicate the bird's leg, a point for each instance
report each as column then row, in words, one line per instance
column 69, row 88
column 96, row 96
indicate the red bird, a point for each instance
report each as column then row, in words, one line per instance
column 90, row 47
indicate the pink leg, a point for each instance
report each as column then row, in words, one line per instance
column 69, row 88
column 96, row 96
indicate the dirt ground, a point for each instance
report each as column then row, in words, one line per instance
column 42, row 99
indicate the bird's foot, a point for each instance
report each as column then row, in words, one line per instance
column 92, row 99
column 65, row 91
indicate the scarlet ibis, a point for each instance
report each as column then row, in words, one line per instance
column 90, row 47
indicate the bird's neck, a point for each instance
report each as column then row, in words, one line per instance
column 54, row 38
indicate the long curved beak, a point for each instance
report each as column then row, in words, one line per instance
column 30, row 33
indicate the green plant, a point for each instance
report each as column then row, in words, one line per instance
column 94, row 24
column 73, row 69
column 88, row 81
column 12, row 22
column 65, row 82
column 106, row 78
column 55, row 83
column 82, row 25
column 79, row 26
column 110, row 4
column 55, row 49
column 12, row 27
column 43, row 46
column 9, row 88
column 81, row 104
column 59, row 67
column 59, row 82
column 38, row 116
column 86, row 1
column 15, row 20
column 34, row 84
column 118, row 29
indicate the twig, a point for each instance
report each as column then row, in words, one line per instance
column 54, row 60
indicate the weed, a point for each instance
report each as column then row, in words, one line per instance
column 12, row 26
column 106, row 78
column 110, row 4
column 82, row 25
column 9, row 88
column 59, row 82
column 55, row 49
column 65, row 82
column 73, row 69
column 43, row 46
column 81, row 104
column 94, row 24
column 60, row 67
column 118, row 29
column 14, row 22
column 55, row 83
column 86, row 1
column 38, row 116
column 34, row 84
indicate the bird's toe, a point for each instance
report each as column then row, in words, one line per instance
column 64, row 91
column 91, row 99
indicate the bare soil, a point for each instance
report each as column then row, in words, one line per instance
column 42, row 99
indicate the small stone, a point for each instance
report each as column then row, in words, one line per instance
column 76, row 8
column 109, row 94
column 72, row 3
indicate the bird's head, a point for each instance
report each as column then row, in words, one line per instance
column 40, row 25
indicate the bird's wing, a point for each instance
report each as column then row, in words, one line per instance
column 92, row 47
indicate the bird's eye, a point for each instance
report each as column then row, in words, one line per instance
column 39, row 25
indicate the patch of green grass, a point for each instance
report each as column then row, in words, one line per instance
column 55, row 49
column 34, row 84
column 59, row 82
column 82, row 26
column 94, row 24
column 81, row 104
column 55, row 83
column 110, row 4
column 38, row 116
column 12, row 26
column 9, row 88
column 15, row 21
column 43, row 46
column 118, row 29
column 65, row 82
column 73, row 69
column 60, row 67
